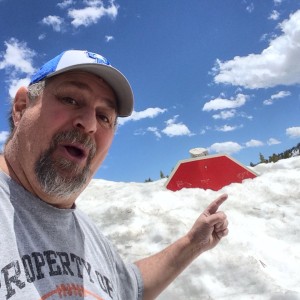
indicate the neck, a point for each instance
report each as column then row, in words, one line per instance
column 7, row 168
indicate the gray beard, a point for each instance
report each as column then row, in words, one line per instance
column 47, row 169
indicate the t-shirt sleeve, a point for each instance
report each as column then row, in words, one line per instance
column 129, row 278
column 126, row 276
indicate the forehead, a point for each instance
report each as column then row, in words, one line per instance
column 83, row 81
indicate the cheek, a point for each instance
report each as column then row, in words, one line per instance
column 103, row 143
column 31, row 130
column 36, row 130
column 105, row 138
column 55, row 118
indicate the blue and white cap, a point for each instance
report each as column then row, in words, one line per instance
column 92, row 63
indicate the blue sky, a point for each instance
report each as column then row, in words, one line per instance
column 222, row 75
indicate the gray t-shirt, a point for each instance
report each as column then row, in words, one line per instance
column 49, row 253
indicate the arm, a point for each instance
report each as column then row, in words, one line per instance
column 159, row 270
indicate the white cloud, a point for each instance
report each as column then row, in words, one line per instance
column 155, row 131
column 229, row 114
column 3, row 136
column 244, row 115
column 204, row 130
column 15, row 84
column 92, row 13
column 93, row 2
column 176, row 129
column 226, row 128
column 55, row 22
column 268, row 102
column 139, row 131
column 147, row 113
column 264, row 37
column 225, row 114
column 250, row 8
column 272, row 141
column 17, row 56
column 277, row 2
column 293, row 132
column 279, row 95
column 172, row 121
column 226, row 147
column 274, row 15
column 65, row 3
column 275, row 65
column 220, row 103
column 109, row 38
column 42, row 36
column 17, row 60
column 254, row 143
column 268, row 37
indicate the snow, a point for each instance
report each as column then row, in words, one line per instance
column 259, row 259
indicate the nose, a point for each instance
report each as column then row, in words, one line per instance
column 86, row 121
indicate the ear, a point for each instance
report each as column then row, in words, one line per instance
column 20, row 103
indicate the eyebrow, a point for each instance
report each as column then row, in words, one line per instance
column 83, row 86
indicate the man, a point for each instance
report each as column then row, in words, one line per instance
column 62, row 125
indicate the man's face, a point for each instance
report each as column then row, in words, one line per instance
column 66, row 133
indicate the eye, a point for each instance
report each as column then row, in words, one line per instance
column 105, row 120
column 68, row 100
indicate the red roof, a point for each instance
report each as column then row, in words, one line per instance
column 208, row 172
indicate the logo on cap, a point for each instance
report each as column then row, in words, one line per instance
column 98, row 58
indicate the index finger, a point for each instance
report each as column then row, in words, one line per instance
column 214, row 206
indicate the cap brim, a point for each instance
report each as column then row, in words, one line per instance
column 114, row 78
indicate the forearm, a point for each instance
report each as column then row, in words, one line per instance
column 159, row 270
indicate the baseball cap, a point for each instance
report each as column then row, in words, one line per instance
column 93, row 63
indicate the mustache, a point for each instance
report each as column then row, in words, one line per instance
column 75, row 136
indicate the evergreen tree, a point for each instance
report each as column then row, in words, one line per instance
column 294, row 151
column 286, row 154
column 148, row 180
column 262, row 159
column 274, row 158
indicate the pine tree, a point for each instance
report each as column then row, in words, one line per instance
column 162, row 175
column 148, row 180
column 294, row 151
column 274, row 158
column 262, row 159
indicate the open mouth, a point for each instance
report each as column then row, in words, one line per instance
column 76, row 152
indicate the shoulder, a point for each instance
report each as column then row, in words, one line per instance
column 89, row 227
